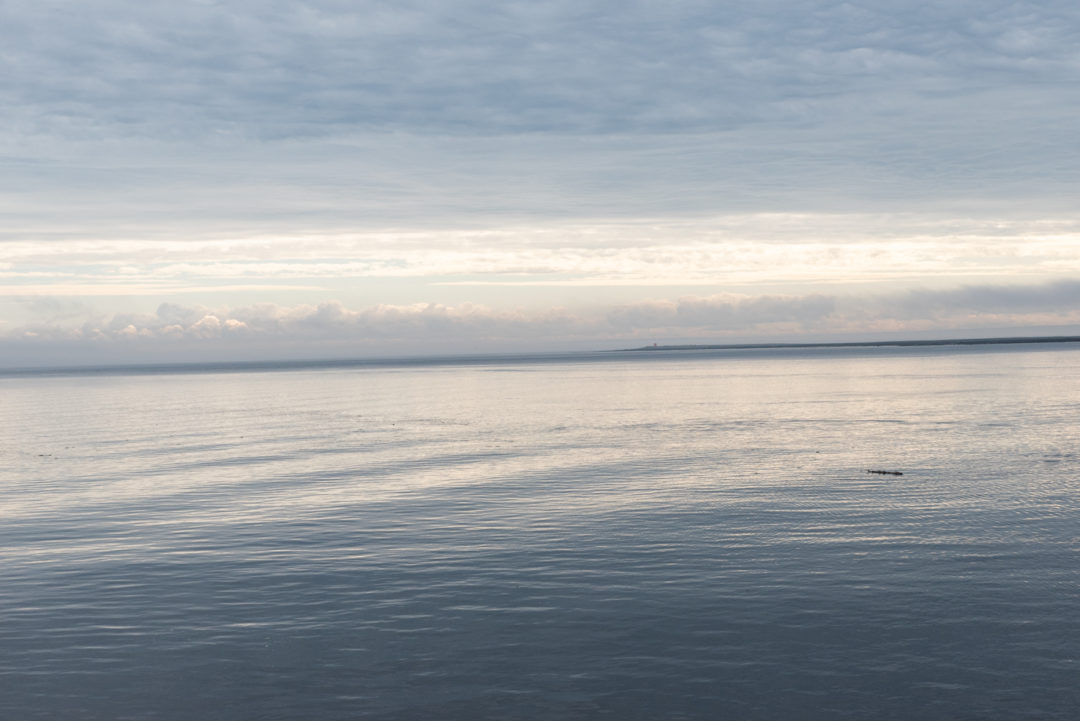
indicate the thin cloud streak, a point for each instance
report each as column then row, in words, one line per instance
column 726, row 250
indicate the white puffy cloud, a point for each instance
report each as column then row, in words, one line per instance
column 331, row 329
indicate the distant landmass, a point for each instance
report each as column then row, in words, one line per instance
column 864, row 344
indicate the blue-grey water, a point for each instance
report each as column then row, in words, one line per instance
column 634, row 536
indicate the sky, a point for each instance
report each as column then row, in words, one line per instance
column 242, row 179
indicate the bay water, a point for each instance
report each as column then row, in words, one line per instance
column 687, row 535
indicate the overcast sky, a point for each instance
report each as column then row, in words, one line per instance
column 201, row 179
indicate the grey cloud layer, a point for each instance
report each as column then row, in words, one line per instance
column 1061, row 296
column 330, row 329
column 297, row 116
column 275, row 68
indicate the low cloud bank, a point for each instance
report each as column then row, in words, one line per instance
column 329, row 329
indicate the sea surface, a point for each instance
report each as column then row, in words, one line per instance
column 685, row 535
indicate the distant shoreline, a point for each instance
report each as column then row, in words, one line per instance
column 237, row 366
column 860, row 344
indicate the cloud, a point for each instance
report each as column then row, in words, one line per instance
column 285, row 68
column 722, row 313
column 1056, row 297
column 287, row 152
column 331, row 329
column 729, row 252
column 247, row 117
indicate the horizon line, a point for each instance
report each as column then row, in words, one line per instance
column 479, row 358
column 1007, row 340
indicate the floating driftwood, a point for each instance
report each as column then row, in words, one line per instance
column 885, row 473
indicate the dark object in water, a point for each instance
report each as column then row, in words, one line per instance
column 886, row 473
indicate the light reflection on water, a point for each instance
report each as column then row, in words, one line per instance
column 678, row 538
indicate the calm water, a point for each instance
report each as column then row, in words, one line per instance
column 648, row 537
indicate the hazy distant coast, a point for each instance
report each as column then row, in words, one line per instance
column 866, row 344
